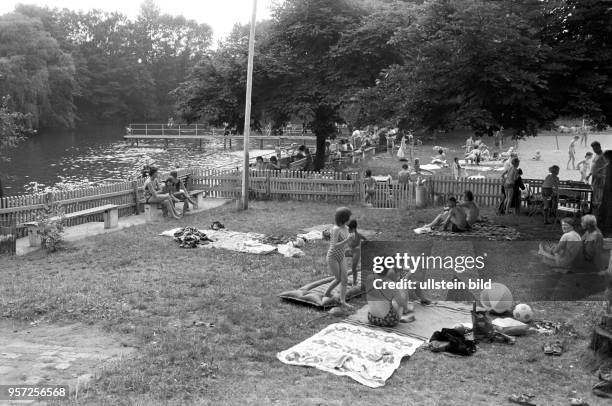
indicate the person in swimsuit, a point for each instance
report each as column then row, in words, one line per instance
column 355, row 246
column 387, row 307
column 472, row 211
column 571, row 152
column 177, row 189
column 370, row 186
column 153, row 194
column 339, row 238
column 452, row 216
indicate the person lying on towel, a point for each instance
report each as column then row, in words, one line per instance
column 387, row 307
column 453, row 217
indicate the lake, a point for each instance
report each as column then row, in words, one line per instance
column 96, row 155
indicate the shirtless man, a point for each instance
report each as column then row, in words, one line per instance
column 454, row 217
column 471, row 209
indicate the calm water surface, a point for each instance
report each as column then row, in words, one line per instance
column 92, row 156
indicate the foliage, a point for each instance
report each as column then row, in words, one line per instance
column 51, row 225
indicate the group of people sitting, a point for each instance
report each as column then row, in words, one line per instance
column 476, row 151
column 169, row 193
column 272, row 164
column 457, row 217
column 576, row 252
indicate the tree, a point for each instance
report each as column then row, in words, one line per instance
column 37, row 75
column 466, row 63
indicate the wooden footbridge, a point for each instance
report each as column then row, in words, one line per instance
column 199, row 132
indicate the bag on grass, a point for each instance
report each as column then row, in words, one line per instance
column 458, row 344
column 482, row 327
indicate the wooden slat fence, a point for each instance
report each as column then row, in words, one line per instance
column 391, row 195
column 487, row 192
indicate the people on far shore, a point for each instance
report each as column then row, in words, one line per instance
column 571, row 151
column 584, row 167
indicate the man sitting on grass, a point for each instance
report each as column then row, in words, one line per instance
column 453, row 217
column 471, row 209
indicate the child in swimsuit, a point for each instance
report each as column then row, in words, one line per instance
column 386, row 307
column 340, row 236
column 355, row 246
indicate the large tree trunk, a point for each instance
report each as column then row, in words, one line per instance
column 319, row 162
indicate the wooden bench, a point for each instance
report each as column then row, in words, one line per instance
column 152, row 213
column 109, row 211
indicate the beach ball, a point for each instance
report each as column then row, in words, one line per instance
column 523, row 312
column 497, row 299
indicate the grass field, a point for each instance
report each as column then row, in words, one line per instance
column 142, row 286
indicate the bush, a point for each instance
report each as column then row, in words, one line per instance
column 51, row 225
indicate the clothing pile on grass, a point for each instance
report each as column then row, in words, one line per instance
column 219, row 237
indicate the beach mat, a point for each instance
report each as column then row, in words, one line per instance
column 313, row 292
column 484, row 230
column 368, row 356
column 428, row 319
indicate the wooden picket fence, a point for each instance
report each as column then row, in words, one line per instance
column 487, row 192
column 280, row 185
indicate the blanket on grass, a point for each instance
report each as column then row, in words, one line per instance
column 230, row 240
column 427, row 319
column 484, row 230
column 316, row 232
column 368, row 356
column 313, row 292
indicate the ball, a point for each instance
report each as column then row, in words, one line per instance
column 523, row 312
column 497, row 299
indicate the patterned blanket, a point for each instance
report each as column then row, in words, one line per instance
column 368, row 356
column 483, row 230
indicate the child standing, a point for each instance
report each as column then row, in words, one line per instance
column 339, row 237
column 355, row 246
column 370, row 186
column 572, row 152
column 550, row 191
column 584, row 166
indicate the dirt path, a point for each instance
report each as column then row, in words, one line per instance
column 55, row 354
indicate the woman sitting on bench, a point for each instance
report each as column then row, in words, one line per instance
column 176, row 187
column 153, row 194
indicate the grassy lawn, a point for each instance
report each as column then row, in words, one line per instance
column 143, row 286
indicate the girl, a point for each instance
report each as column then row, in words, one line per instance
column 153, row 194
column 550, row 191
column 370, row 186
column 339, row 237
column 355, row 246
column 584, row 166
column 456, row 168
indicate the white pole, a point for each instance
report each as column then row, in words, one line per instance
column 247, row 113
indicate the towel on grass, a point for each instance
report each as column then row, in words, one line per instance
column 316, row 232
column 368, row 356
column 232, row 240
column 427, row 319
column 485, row 229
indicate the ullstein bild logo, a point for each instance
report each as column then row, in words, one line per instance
column 413, row 263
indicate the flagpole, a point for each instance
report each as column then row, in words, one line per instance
column 244, row 202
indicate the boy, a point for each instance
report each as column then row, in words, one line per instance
column 584, row 166
column 572, row 152
column 355, row 246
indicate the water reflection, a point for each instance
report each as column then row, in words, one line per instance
column 96, row 156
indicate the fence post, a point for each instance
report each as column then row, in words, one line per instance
column 268, row 192
column 135, row 189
